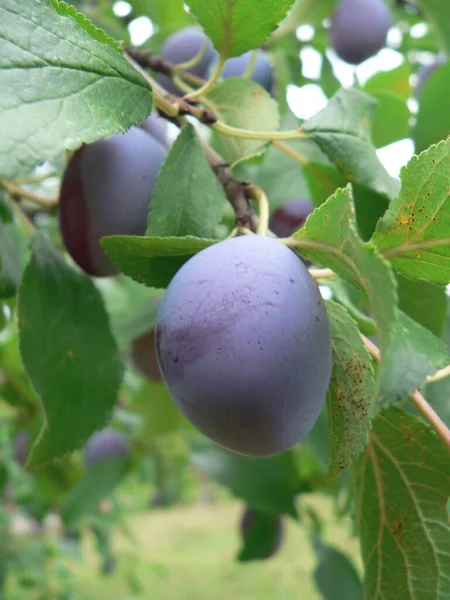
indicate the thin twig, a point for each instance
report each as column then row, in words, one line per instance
column 47, row 204
column 439, row 375
column 418, row 400
column 320, row 274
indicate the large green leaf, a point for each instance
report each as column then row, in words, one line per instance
column 424, row 302
column 258, row 111
column 152, row 260
column 436, row 12
column 329, row 239
column 68, row 351
column 342, row 132
column 402, row 486
column 414, row 353
column 392, row 90
column 63, row 82
column 335, row 575
column 433, row 118
column 350, row 393
column 238, row 26
column 98, row 481
column 415, row 231
column 188, row 199
column 269, row 485
column 262, row 537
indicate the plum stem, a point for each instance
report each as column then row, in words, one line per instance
column 418, row 400
column 267, row 136
column 256, row 193
column 439, row 375
column 250, row 65
column 320, row 274
column 211, row 81
column 47, row 204
column 193, row 61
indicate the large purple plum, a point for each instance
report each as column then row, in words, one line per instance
column 359, row 29
column 104, row 445
column 290, row 216
column 183, row 46
column 106, row 190
column 157, row 127
column 243, row 345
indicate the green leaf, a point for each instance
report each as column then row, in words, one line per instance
column 68, row 351
column 63, row 83
column 262, row 537
column 98, row 482
column 258, row 111
column 350, row 393
column 329, row 239
column 342, row 132
column 424, row 302
column 188, row 199
column 433, row 118
column 414, row 353
column 436, row 12
column 152, row 261
column 169, row 15
column 11, row 248
column 392, row 90
column 154, row 404
column 335, row 576
column 414, row 232
column 402, row 485
column 236, row 27
column 312, row 12
column 269, row 485
column 437, row 394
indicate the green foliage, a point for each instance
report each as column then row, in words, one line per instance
column 65, row 339
column 152, row 261
column 351, row 391
column 342, row 131
column 402, row 486
column 188, row 189
column 257, row 112
column 236, row 27
column 414, row 232
column 75, row 370
column 268, row 485
column 70, row 95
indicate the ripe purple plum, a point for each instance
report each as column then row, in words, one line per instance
column 359, row 29
column 182, row 47
column 252, row 518
column 156, row 127
column 104, row 445
column 243, row 345
column 143, row 352
column 106, row 190
column 290, row 216
column 20, row 446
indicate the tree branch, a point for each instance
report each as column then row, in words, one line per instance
column 418, row 400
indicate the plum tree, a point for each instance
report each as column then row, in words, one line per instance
column 290, row 216
column 262, row 71
column 359, row 29
column 183, row 46
column 271, row 528
column 244, row 360
column 106, row 190
column 425, row 73
column 157, row 127
column 143, row 353
column 105, row 444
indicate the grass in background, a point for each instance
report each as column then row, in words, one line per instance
column 188, row 553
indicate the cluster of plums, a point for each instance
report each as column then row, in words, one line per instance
column 241, row 340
